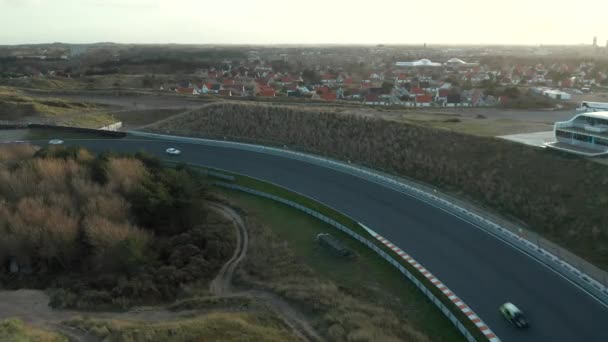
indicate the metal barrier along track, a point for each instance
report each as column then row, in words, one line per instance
column 424, row 272
column 583, row 280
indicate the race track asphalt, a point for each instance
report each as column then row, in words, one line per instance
column 483, row 271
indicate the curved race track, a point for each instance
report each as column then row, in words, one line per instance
column 479, row 268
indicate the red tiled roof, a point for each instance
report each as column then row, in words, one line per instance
column 267, row 92
column 417, row 91
column 329, row 96
column 323, row 90
column 444, row 92
column 263, row 81
column 185, row 90
column 424, row 98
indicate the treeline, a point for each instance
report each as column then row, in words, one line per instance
column 559, row 196
column 104, row 230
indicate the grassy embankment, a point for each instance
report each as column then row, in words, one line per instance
column 454, row 122
column 18, row 107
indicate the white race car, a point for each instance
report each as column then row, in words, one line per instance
column 56, row 142
column 173, row 151
column 514, row 315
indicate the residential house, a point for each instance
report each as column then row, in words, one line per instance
column 189, row 91
column 329, row 97
column 236, row 90
column 401, row 78
column 441, row 96
column 328, row 79
column 373, row 100
column 213, row 88
column 266, row 91
column 454, row 97
column 424, row 100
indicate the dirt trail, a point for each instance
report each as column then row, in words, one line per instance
column 32, row 307
column 222, row 284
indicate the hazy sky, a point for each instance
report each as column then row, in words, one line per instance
column 304, row 21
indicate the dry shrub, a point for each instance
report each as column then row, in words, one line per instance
column 117, row 247
column 83, row 189
column 12, row 152
column 62, row 201
column 49, row 231
column 109, row 206
column 52, row 175
column 83, row 155
column 124, row 173
column 54, row 169
column 18, row 183
column 5, row 181
column 104, row 234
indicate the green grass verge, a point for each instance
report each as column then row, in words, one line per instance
column 211, row 327
column 14, row 330
column 352, row 224
column 367, row 277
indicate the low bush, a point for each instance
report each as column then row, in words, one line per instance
column 14, row 330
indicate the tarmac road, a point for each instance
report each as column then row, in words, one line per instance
column 483, row 271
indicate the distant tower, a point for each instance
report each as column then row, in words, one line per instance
column 595, row 41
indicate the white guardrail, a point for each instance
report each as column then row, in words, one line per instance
column 583, row 280
column 451, row 296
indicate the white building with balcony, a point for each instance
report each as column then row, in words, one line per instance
column 585, row 134
column 587, row 106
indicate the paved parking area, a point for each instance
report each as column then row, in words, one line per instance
column 538, row 139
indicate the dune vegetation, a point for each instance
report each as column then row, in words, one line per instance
column 103, row 231
column 17, row 106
